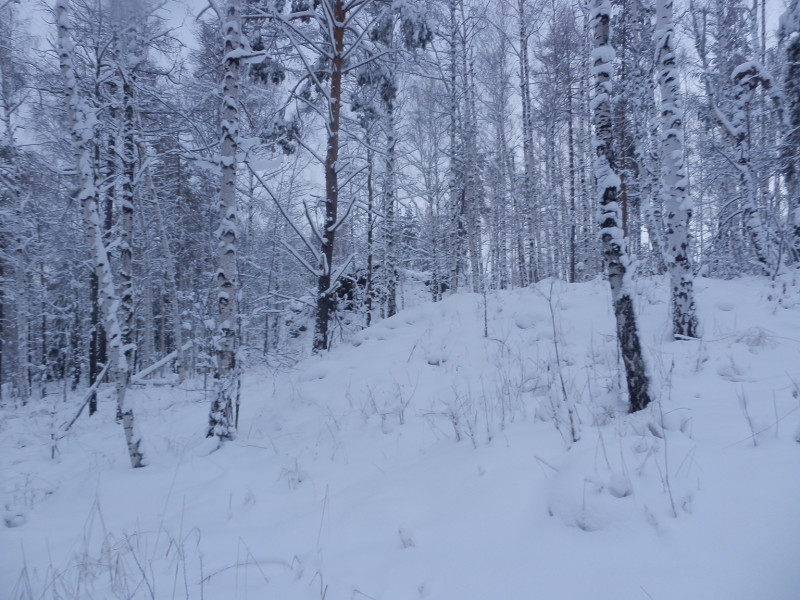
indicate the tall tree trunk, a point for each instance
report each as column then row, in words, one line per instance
column 222, row 419
column 125, row 229
column 21, row 370
column 677, row 202
column 391, row 266
column 472, row 175
column 81, row 121
column 369, row 290
column 97, row 345
column 527, row 275
column 455, row 183
column 790, row 148
column 614, row 243
column 325, row 297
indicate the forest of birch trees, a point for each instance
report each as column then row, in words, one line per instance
column 177, row 203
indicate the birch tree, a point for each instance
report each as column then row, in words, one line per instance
column 82, row 122
column 676, row 200
column 614, row 243
column 222, row 420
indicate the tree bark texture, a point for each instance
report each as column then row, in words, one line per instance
column 82, row 122
column 676, row 199
column 222, row 416
column 325, row 297
column 614, row 243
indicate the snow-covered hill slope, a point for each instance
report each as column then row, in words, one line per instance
column 472, row 449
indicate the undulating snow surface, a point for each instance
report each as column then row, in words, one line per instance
column 424, row 460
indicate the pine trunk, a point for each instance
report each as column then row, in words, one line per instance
column 326, row 302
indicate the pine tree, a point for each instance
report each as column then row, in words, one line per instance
column 789, row 33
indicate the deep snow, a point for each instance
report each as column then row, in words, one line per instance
column 421, row 459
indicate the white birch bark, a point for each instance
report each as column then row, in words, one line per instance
column 222, row 416
column 676, row 200
column 614, row 243
column 82, row 124
column 129, row 59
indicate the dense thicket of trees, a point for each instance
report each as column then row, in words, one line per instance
column 169, row 212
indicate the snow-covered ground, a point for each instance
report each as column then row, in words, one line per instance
column 425, row 459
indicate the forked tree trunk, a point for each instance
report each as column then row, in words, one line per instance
column 676, row 200
column 614, row 243
column 82, row 130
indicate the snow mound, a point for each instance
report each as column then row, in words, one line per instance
column 475, row 448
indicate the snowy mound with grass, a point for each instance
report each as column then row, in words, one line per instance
column 475, row 448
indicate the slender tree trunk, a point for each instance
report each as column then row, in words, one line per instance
column 21, row 372
column 527, row 275
column 573, row 212
column 457, row 231
column 81, row 122
column 222, row 419
column 96, row 341
column 125, row 239
column 325, row 297
column 472, row 179
column 790, row 148
column 369, row 289
column 391, row 266
column 677, row 202
column 614, row 243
